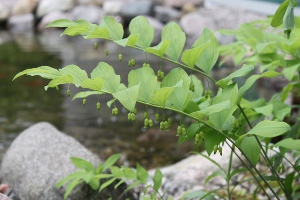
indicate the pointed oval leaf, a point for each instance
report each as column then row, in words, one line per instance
column 146, row 78
column 176, row 36
column 129, row 173
column 265, row 110
column 93, row 84
column 179, row 98
column 128, row 97
column 157, row 179
column 111, row 161
column 107, row 72
column 98, row 32
column 251, row 149
column 116, row 172
column 269, row 129
column 161, row 95
column 107, row 183
column 82, row 164
column 130, row 41
column 289, row 143
column 190, row 56
column 61, row 23
column 160, row 49
column 85, row 94
column 59, row 80
column 142, row 174
column 76, row 29
column 78, row 74
column 140, row 25
column 210, row 55
column 43, row 71
column 115, row 29
column 279, row 14
column 71, row 186
column 213, row 138
column 215, row 108
column 243, row 71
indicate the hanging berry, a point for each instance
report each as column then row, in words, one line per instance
column 83, row 102
column 120, row 57
column 98, row 106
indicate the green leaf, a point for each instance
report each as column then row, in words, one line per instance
column 107, row 183
column 128, row 97
column 101, row 176
column 71, row 186
column 161, row 95
column 269, row 129
column 237, row 171
column 77, row 175
column 243, row 71
column 265, row 110
column 209, row 57
column 98, row 32
column 271, row 66
column 219, row 107
column 198, row 89
column 93, row 84
column 132, row 185
column 289, row 182
column 190, row 56
column 119, row 183
column 59, row 80
column 78, row 74
column 61, row 23
column 82, row 164
column 111, row 161
column 85, row 94
column 146, row 78
column 129, row 173
column 289, row 143
column 251, row 149
column 216, row 173
column 213, row 138
column 76, row 29
column 114, row 28
column 88, row 176
column 94, row 183
column 266, row 48
column 130, row 41
column 142, row 174
column 43, row 71
column 230, row 92
column 280, row 109
column 179, row 98
column 140, row 25
column 190, row 133
column 160, row 49
column 279, row 14
column 176, row 36
column 249, row 82
column 109, row 103
column 116, row 172
column 157, row 179
column 290, row 72
column 107, row 72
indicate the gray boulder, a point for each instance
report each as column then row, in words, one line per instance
column 46, row 6
column 39, row 157
column 135, row 8
column 24, row 7
column 91, row 13
column 21, row 22
column 166, row 14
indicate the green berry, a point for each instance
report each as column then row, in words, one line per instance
column 209, row 93
column 162, row 75
column 201, row 134
column 134, row 110
column 146, row 115
column 115, row 111
column 129, row 63
column 120, row 57
column 158, row 73
column 98, row 106
column 132, row 117
column 157, row 117
column 147, row 65
column 146, row 122
column 144, row 64
column 57, row 88
column 132, row 62
column 69, row 92
column 106, row 52
column 169, row 121
column 150, row 123
column 179, row 130
column 83, row 102
column 161, row 126
column 96, row 45
column 192, row 87
column 129, row 116
column 220, row 150
column 197, row 138
column 183, row 131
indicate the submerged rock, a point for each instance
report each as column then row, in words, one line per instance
column 39, row 157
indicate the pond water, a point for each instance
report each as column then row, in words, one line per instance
column 24, row 101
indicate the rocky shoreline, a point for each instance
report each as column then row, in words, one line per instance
column 30, row 15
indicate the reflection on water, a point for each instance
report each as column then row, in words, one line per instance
column 24, row 102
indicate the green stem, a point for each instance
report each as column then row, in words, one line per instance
column 228, row 173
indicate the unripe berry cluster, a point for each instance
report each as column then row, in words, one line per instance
column 115, row 111
column 160, row 74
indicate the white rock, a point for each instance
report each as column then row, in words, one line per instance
column 113, row 7
column 4, row 12
column 46, row 6
column 91, row 13
column 24, row 7
column 90, row 2
column 21, row 22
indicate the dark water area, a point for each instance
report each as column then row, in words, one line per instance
column 24, row 102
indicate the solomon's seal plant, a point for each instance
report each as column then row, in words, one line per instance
column 225, row 117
